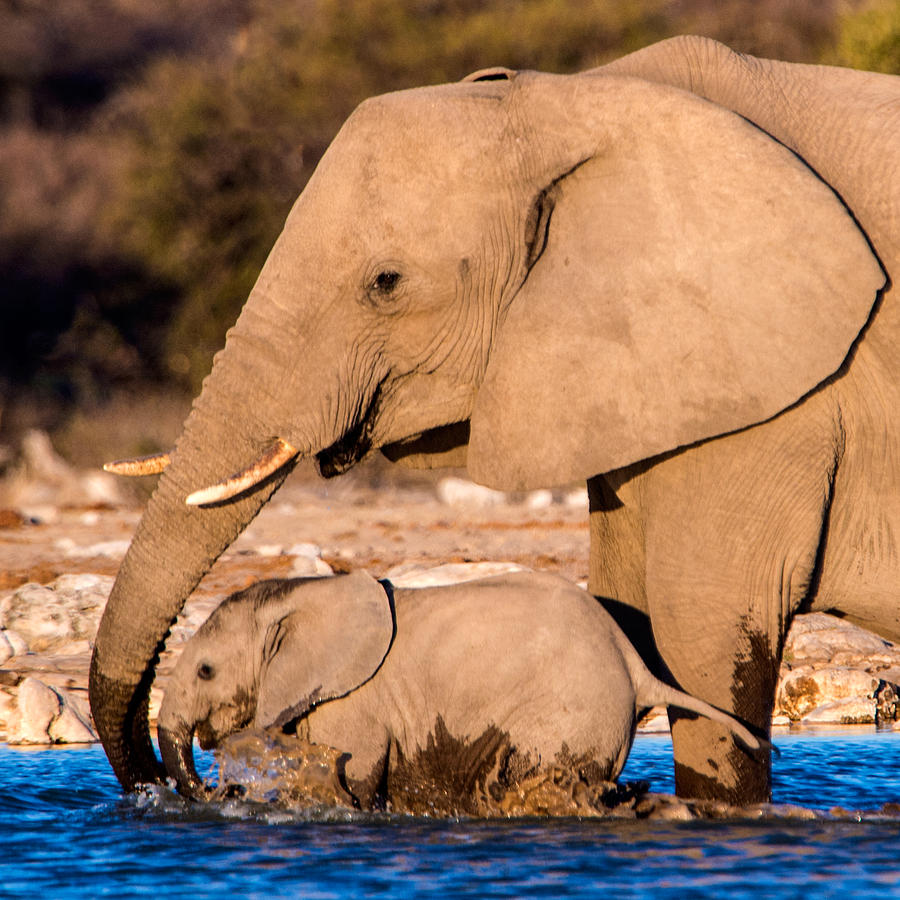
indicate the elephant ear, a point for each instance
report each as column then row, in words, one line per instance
column 329, row 636
column 696, row 278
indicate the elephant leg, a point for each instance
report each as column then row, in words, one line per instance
column 708, row 762
column 617, row 575
column 730, row 533
column 861, row 563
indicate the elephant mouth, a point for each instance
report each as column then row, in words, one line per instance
column 354, row 444
column 206, row 737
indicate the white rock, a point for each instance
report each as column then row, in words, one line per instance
column 461, row 492
column 269, row 550
column 111, row 549
column 448, row 573
column 813, row 622
column 539, row 499
column 819, row 636
column 100, row 487
column 577, row 499
column 70, row 727
column 47, row 617
column 9, row 706
column 805, row 688
column 848, row 711
column 44, row 715
column 42, row 461
column 304, row 566
column 310, row 551
column 655, row 722
column 79, row 582
column 11, row 644
column 38, row 706
column 156, row 699
column 45, row 481
column 16, row 641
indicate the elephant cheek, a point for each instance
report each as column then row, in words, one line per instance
column 224, row 721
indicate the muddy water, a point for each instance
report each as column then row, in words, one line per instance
column 266, row 767
column 292, row 774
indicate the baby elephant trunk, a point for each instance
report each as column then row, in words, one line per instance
column 176, row 746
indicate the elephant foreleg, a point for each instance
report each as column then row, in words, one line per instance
column 708, row 762
column 734, row 546
column 729, row 535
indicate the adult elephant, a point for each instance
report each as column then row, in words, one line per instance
column 558, row 278
column 719, row 546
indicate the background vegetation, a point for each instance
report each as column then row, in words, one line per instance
column 149, row 153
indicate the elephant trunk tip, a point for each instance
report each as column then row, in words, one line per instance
column 125, row 735
column 176, row 749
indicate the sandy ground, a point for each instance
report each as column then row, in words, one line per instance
column 355, row 525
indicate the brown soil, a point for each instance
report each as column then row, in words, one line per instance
column 357, row 526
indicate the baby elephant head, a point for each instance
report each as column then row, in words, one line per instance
column 268, row 655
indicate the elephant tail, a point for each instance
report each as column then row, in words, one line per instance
column 650, row 691
column 660, row 694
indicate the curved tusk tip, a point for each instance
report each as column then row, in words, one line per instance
column 204, row 496
column 138, row 465
column 280, row 453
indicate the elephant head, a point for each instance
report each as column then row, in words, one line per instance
column 267, row 655
column 548, row 277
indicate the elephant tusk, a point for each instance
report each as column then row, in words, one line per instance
column 138, row 465
column 273, row 459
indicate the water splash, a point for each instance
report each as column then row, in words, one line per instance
column 270, row 767
column 276, row 777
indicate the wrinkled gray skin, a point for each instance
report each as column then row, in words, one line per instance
column 463, row 680
column 602, row 277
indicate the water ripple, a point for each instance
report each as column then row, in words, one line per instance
column 67, row 832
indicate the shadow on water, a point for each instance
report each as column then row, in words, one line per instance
column 68, row 832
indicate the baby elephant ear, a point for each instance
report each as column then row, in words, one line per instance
column 328, row 637
column 695, row 278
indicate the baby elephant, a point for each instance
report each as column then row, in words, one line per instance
column 451, row 691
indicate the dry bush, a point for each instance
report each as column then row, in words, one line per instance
column 60, row 58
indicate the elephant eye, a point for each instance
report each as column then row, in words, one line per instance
column 205, row 672
column 385, row 282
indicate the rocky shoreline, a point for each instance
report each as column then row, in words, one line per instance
column 833, row 673
column 64, row 532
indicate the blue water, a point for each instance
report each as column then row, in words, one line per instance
column 66, row 831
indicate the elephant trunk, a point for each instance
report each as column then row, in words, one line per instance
column 175, row 544
column 176, row 745
column 174, row 547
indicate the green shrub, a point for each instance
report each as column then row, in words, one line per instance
column 870, row 38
